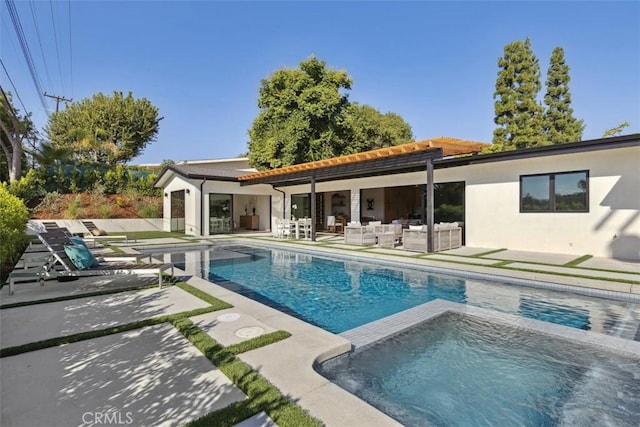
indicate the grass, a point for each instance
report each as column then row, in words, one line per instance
column 579, row 260
column 262, row 395
column 153, row 234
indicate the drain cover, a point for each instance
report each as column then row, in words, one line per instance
column 249, row 332
column 228, row 317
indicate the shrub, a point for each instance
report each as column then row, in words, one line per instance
column 29, row 188
column 149, row 210
column 104, row 211
column 73, row 208
column 50, row 203
column 13, row 224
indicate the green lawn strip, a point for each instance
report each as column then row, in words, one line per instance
column 257, row 342
column 481, row 254
column 263, row 396
column 72, row 297
column 154, row 234
column 580, row 276
column 221, row 305
column 82, row 336
column 579, row 260
column 506, row 267
column 501, row 263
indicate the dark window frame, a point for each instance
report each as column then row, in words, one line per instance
column 552, row 192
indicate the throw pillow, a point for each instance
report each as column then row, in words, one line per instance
column 77, row 240
column 81, row 257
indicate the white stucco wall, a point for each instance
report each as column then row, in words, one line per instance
column 611, row 228
column 191, row 204
column 250, row 196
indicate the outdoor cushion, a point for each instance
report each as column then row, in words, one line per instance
column 78, row 241
column 81, row 257
column 98, row 232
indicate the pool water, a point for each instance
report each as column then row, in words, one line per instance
column 457, row 370
column 339, row 295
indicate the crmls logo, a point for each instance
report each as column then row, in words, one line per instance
column 115, row 417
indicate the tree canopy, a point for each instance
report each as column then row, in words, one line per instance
column 305, row 115
column 517, row 112
column 559, row 124
column 105, row 129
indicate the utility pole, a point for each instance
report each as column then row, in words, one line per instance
column 58, row 99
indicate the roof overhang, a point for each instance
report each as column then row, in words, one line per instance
column 547, row 150
column 400, row 163
column 171, row 170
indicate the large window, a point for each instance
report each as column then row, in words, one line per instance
column 448, row 202
column 301, row 205
column 555, row 192
column 220, row 213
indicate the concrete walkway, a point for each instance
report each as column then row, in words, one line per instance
column 154, row 376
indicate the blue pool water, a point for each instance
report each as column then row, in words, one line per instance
column 339, row 295
column 458, row 370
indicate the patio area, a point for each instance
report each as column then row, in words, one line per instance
column 151, row 374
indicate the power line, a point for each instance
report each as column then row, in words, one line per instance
column 17, row 25
column 70, row 51
column 35, row 24
column 55, row 35
column 15, row 91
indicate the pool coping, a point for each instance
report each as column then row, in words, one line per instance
column 371, row 333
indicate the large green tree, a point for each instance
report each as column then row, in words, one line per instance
column 368, row 129
column 105, row 129
column 518, row 114
column 305, row 115
column 559, row 124
column 14, row 129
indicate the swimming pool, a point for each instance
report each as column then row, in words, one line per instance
column 459, row 369
column 339, row 295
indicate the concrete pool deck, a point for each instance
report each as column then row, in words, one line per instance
column 175, row 383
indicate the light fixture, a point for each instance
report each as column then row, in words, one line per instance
column 188, row 191
column 166, row 194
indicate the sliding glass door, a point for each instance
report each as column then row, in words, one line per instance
column 220, row 213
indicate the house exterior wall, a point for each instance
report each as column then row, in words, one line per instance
column 611, row 227
column 249, row 196
column 191, row 204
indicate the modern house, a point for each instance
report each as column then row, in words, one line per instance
column 580, row 198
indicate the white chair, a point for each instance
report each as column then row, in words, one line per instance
column 334, row 226
column 278, row 231
column 286, row 229
column 305, row 228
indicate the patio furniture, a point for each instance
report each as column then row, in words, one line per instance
column 95, row 234
column 446, row 236
column 385, row 235
column 333, row 225
column 55, row 242
column 360, row 235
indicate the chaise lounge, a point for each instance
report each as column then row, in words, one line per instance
column 77, row 261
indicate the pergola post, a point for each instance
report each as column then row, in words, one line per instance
column 313, row 208
column 429, row 204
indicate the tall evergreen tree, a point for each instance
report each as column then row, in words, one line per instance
column 519, row 116
column 559, row 124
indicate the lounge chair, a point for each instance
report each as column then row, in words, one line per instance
column 95, row 236
column 55, row 242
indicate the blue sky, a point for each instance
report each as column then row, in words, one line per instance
column 433, row 63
